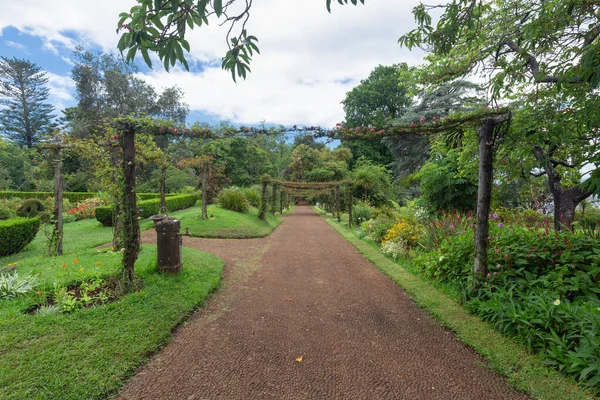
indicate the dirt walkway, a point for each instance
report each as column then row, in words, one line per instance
column 306, row 292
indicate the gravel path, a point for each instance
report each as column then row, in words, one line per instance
column 302, row 315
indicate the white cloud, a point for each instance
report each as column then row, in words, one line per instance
column 15, row 45
column 309, row 58
column 60, row 89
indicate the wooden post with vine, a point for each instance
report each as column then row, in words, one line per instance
column 130, row 223
column 55, row 245
column 337, row 203
column 350, row 205
column 265, row 179
column 274, row 199
column 163, row 190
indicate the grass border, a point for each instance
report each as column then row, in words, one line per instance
column 524, row 370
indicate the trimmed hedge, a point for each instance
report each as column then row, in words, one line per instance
column 16, row 233
column 73, row 197
column 149, row 207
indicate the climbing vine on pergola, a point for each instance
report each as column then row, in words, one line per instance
column 302, row 189
column 127, row 128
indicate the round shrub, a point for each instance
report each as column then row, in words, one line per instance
column 5, row 213
column 17, row 233
column 30, row 208
column 232, row 199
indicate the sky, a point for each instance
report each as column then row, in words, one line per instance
column 309, row 58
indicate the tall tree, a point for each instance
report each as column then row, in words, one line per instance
column 23, row 93
column 384, row 95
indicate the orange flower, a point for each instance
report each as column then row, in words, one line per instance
column 98, row 263
column 75, row 261
column 64, row 266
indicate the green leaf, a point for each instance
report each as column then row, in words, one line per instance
column 131, row 54
column 201, row 7
column 185, row 45
column 146, row 56
column 218, row 6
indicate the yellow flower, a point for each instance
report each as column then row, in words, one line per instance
column 81, row 269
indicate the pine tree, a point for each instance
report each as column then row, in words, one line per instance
column 23, row 93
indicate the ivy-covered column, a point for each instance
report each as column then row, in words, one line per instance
column 274, row 199
column 337, row 203
column 264, row 180
column 349, row 205
column 281, row 193
column 163, row 190
column 130, row 223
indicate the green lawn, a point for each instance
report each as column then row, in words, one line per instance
column 90, row 352
column 226, row 224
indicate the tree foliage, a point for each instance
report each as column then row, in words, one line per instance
column 160, row 27
column 26, row 115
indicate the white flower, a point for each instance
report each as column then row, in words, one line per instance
column 441, row 258
column 557, row 302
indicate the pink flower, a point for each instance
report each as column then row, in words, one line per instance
column 506, row 256
column 498, row 266
column 489, row 275
column 412, row 124
column 357, row 128
column 372, row 129
column 495, row 273
column 422, row 120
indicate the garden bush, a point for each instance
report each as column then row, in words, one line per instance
column 361, row 212
column 376, row 229
column 17, row 233
column 233, row 199
column 6, row 213
column 30, row 208
column 542, row 286
column 253, row 195
column 148, row 208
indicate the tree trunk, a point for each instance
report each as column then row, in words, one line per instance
column 565, row 200
column 204, row 195
column 57, row 235
column 565, row 203
column 163, row 191
column 130, row 222
column 484, row 197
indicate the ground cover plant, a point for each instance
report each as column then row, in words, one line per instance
column 72, row 349
column 542, row 287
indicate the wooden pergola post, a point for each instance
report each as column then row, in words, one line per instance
column 163, row 190
column 55, row 247
column 130, row 222
column 263, row 200
column 349, row 205
column 337, row 203
column 274, row 199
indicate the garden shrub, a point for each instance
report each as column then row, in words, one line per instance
column 86, row 209
column 404, row 231
column 17, row 233
column 361, row 212
column 376, row 229
column 253, row 195
column 147, row 208
column 30, row 208
column 232, row 199
column 5, row 213
column 542, row 286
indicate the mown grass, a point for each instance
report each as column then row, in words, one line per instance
column 524, row 370
column 226, row 224
column 89, row 353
